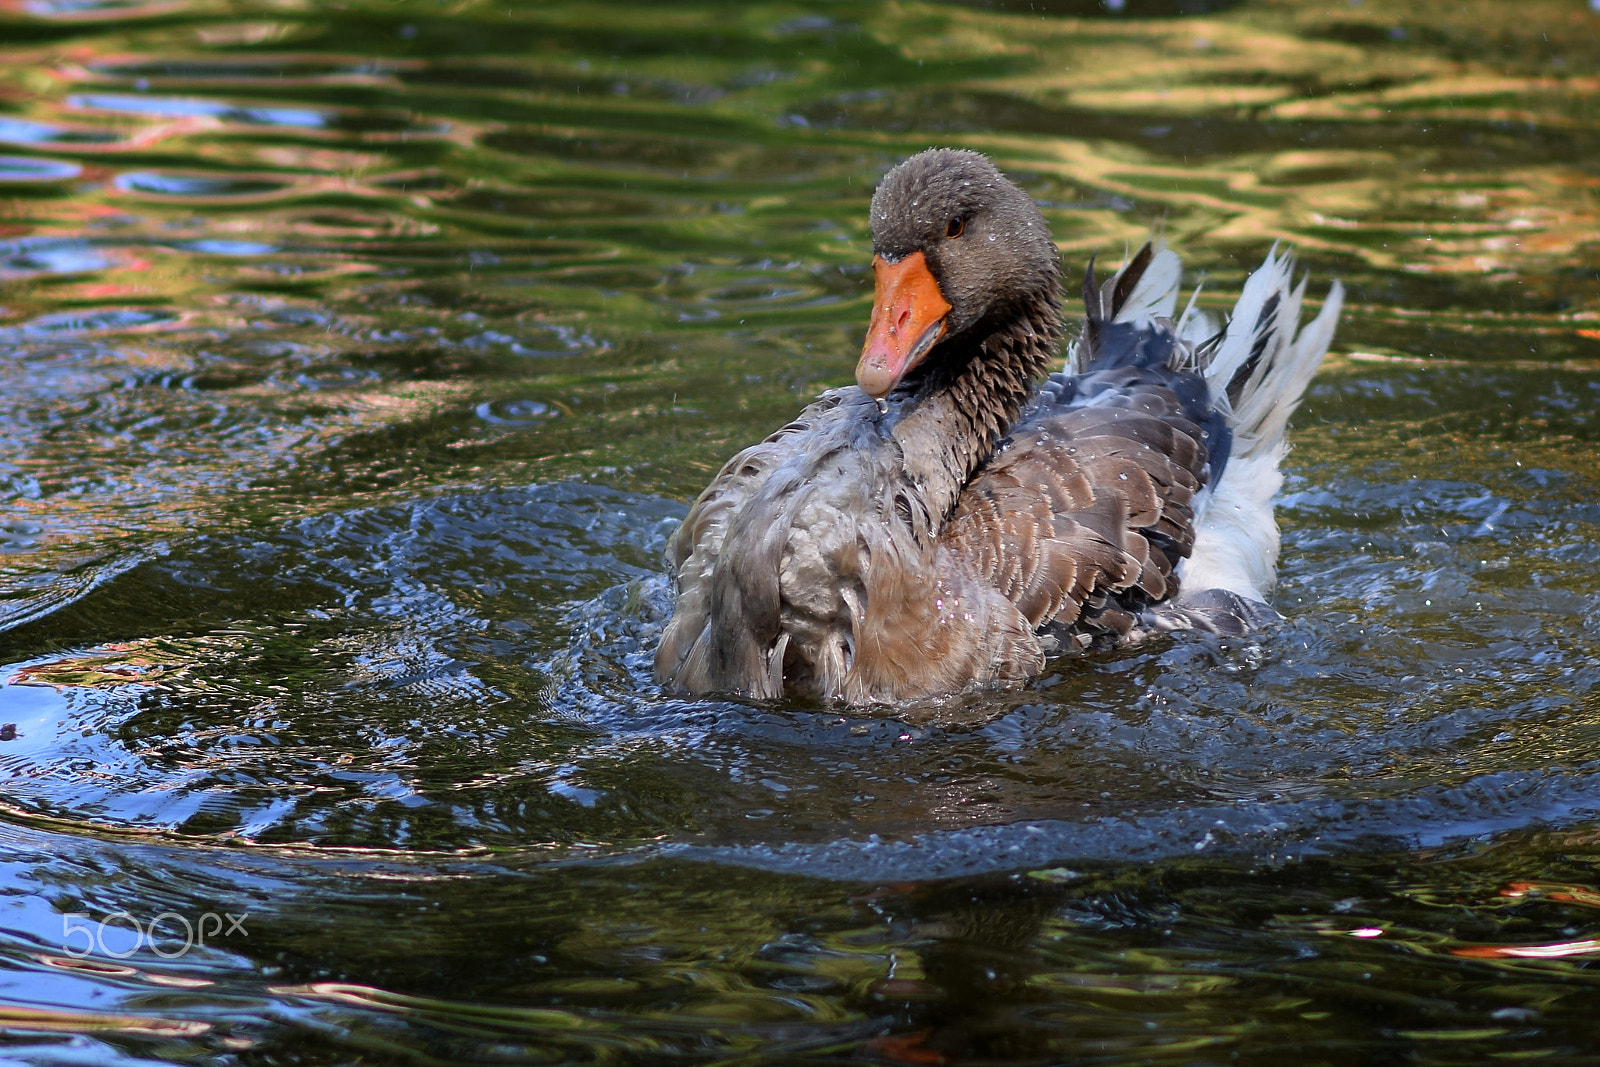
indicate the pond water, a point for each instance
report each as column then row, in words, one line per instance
column 359, row 359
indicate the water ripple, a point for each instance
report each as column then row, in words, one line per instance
column 18, row 170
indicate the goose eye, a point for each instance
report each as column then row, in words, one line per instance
column 957, row 225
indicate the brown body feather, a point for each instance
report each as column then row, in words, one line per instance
column 813, row 562
column 851, row 556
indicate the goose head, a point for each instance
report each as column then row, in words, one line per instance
column 959, row 252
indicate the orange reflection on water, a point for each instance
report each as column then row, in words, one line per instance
column 1557, row 891
column 1554, row 891
column 1528, row 952
column 46, row 11
column 53, row 1021
column 115, row 664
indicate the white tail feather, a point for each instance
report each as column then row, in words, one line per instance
column 1194, row 326
column 1236, row 534
column 1273, row 277
column 1155, row 295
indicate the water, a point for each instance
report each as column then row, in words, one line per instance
column 358, row 362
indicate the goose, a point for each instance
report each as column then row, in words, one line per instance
column 959, row 515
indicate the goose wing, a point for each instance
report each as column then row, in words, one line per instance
column 1082, row 514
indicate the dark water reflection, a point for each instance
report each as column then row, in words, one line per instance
column 359, row 361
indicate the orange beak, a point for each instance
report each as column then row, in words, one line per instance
column 908, row 318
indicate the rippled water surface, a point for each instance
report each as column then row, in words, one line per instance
column 357, row 360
